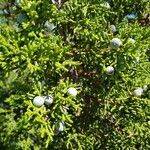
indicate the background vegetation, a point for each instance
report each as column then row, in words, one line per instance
column 47, row 47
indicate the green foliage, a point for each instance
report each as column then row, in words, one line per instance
column 45, row 49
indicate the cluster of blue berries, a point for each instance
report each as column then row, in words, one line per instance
column 38, row 101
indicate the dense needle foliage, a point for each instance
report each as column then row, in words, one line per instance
column 47, row 47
